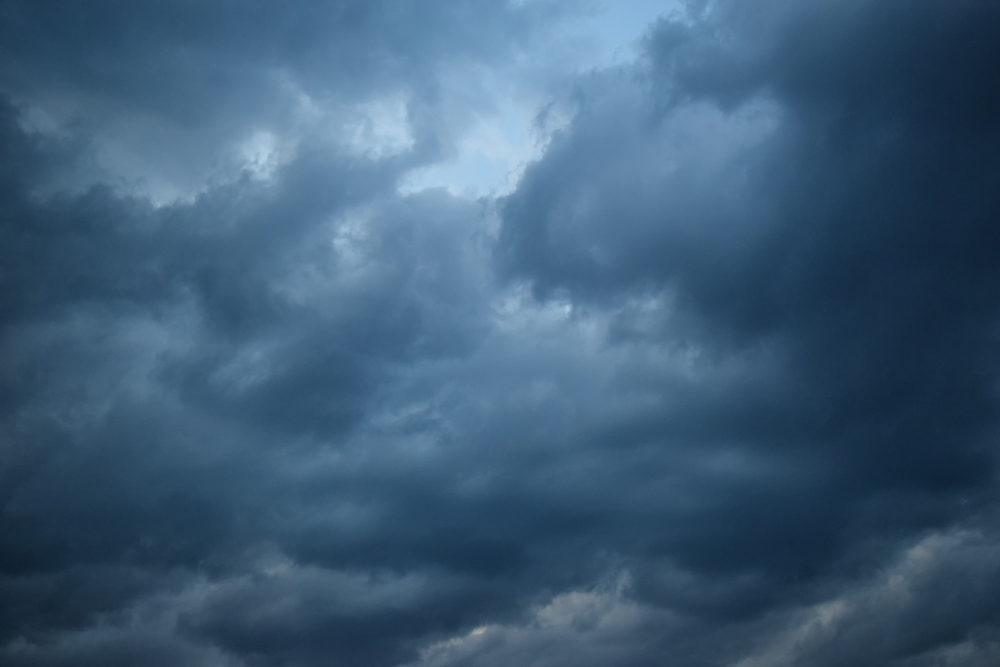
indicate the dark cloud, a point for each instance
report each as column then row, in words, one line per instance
column 194, row 83
column 823, row 216
column 715, row 383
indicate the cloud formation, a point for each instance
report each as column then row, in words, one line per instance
column 714, row 383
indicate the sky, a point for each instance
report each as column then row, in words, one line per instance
column 555, row 333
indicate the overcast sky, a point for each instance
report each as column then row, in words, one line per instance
column 550, row 333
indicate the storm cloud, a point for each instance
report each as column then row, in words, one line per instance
column 482, row 333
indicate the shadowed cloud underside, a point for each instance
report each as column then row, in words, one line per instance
column 431, row 334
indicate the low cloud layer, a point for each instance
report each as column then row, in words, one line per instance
column 709, row 379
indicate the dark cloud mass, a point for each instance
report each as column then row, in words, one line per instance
column 712, row 379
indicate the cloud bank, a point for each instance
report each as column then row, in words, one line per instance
column 709, row 376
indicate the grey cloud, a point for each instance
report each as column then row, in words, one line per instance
column 192, row 82
column 843, row 235
column 159, row 362
column 714, row 384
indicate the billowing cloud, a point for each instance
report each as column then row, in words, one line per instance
column 711, row 380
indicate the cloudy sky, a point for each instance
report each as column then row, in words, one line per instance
column 435, row 333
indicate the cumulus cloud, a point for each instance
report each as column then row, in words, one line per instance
column 712, row 380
